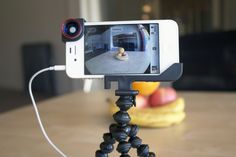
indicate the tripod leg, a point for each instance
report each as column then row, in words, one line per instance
column 106, row 147
column 136, row 142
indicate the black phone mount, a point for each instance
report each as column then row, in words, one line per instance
column 122, row 130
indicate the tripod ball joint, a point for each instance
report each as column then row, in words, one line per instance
column 99, row 153
column 118, row 132
column 106, row 147
column 143, row 151
column 135, row 141
column 125, row 102
column 127, row 129
column 123, row 147
column 122, row 117
column 108, row 138
column 113, row 127
column 119, row 135
column 133, row 131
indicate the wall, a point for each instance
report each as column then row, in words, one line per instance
column 117, row 30
column 123, row 9
column 27, row 21
column 229, row 21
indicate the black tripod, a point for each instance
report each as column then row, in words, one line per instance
column 122, row 130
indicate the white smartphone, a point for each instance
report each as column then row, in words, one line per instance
column 132, row 48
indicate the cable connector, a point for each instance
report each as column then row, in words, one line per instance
column 59, row 67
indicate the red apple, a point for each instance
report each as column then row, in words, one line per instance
column 141, row 101
column 162, row 96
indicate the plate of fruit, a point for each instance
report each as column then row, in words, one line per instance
column 155, row 106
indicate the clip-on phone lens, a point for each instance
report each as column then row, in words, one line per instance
column 72, row 29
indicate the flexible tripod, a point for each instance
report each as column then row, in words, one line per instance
column 122, row 130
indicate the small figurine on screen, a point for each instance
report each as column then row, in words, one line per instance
column 122, row 55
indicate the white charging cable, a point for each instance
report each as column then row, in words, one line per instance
column 55, row 68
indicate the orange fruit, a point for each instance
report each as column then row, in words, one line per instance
column 145, row 88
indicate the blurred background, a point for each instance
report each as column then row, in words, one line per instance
column 30, row 40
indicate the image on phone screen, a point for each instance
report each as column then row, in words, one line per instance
column 121, row 49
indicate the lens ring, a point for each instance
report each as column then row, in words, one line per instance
column 71, row 28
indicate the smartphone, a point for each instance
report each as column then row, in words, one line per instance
column 122, row 48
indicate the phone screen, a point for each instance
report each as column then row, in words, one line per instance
column 121, row 49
